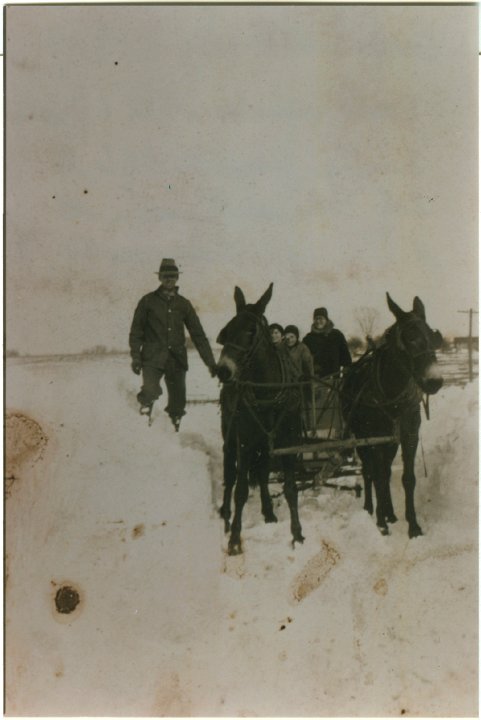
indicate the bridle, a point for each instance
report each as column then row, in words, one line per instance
column 247, row 353
column 402, row 345
column 245, row 389
column 412, row 392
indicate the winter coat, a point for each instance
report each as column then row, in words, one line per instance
column 302, row 360
column 329, row 350
column 157, row 331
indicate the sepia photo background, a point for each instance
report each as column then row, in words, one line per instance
column 333, row 151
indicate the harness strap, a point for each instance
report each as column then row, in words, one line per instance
column 270, row 434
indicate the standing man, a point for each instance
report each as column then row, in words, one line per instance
column 327, row 344
column 157, row 343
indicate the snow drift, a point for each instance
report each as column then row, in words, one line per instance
column 350, row 624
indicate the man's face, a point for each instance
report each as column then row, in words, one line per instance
column 168, row 280
column 276, row 336
column 319, row 322
column 291, row 339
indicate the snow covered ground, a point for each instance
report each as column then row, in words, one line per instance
column 166, row 624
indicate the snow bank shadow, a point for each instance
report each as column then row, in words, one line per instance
column 314, row 572
column 196, row 441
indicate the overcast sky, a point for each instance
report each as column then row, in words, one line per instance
column 331, row 150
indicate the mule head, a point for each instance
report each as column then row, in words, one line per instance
column 241, row 335
column 417, row 343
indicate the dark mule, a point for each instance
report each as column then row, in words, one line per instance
column 381, row 396
column 259, row 409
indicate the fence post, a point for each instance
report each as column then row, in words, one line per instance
column 470, row 341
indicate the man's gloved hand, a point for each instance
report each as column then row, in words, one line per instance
column 136, row 366
column 213, row 370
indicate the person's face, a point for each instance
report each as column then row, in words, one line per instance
column 276, row 336
column 168, row 280
column 291, row 339
column 319, row 322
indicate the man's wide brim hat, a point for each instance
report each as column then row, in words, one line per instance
column 168, row 267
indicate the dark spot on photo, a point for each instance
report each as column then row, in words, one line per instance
column 66, row 599
column 138, row 531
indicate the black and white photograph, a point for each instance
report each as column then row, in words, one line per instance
column 241, row 360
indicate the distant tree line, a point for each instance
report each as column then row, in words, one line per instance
column 357, row 345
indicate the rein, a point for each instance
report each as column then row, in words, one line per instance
column 245, row 389
column 378, row 399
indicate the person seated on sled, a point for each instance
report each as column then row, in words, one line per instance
column 157, row 343
column 302, row 367
column 327, row 344
column 277, row 334
column 299, row 353
column 330, row 354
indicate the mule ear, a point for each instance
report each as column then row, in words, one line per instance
column 437, row 340
column 221, row 337
column 261, row 304
column 395, row 309
column 240, row 301
column 418, row 308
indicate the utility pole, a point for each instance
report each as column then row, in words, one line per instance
column 470, row 312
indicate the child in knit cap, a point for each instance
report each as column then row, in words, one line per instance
column 277, row 333
column 299, row 353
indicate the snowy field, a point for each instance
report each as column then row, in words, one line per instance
column 166, row 624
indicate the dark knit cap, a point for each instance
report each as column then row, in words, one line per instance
column 321, row 311
column 292, row 329
column 276, row 326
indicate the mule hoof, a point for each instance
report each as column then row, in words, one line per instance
column 297, row 538
column 415, row 531
column 270, row 518
column 234, row 549
column 391, row 518
column 384, row 530
column 369, row 509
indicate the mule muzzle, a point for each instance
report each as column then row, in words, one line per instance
column 224, row 373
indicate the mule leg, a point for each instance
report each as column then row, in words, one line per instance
column 410, row 424
column 380, row 458
column 240, row 497
column 380, row 479
column 367, row 474
column 389, row 453
column 230, row 470
column 290, row 492
column 263, row 480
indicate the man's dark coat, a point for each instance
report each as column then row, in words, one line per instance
column 329, row 350
column 157, row 331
